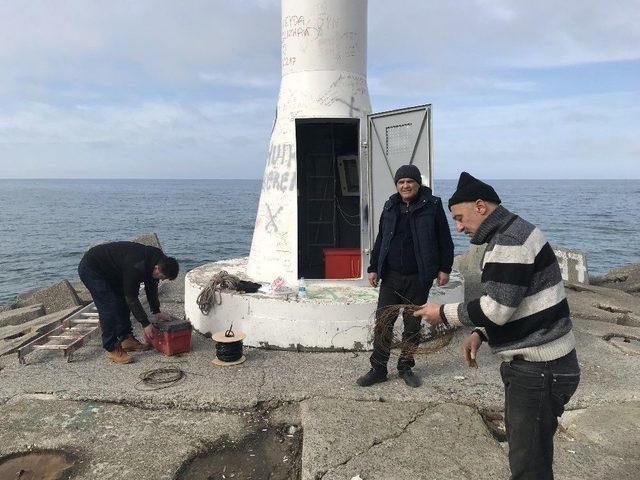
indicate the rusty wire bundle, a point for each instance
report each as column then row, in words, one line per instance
column 432, row 338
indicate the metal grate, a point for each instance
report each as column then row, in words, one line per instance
column 398, row 139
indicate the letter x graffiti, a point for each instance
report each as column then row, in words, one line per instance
column 352, row 107
column 271, row 224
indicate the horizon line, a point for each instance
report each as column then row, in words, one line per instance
column 260, row 179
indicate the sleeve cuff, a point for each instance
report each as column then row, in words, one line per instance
column 144, row 322
column 372, row 269
column 450, row 311
column 482, row 333
column 445, row 269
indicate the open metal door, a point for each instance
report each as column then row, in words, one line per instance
column 396, row 138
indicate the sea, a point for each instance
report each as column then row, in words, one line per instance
column 47, row 225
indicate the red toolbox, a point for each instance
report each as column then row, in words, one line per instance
column 341, row 262
column 171, row 337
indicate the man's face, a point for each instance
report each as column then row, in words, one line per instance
column 407, row 188
column 469, row 216
column 157, row 273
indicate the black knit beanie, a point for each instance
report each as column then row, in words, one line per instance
column 471, row 189
column 408, row 171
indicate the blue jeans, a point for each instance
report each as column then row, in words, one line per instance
column 112, row 307
column 535, row 396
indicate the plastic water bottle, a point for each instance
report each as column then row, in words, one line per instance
column 302, row 288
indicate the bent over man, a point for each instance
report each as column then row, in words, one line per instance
column 412, row 248
column 524, row 315
column 113, row 272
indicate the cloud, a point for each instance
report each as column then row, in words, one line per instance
column 130, row 45
column 503, row 33
column 577, row 137
column 146, row 123
column 189, row 88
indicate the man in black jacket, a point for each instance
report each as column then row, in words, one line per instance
column 413, row 247
column 113, row 272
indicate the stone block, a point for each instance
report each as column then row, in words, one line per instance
column 625, row 278
column 54, row 298
column 603, row 304
column 573, row 264
column 6, row 307
column 21, row 315
column 470, row 262
column 150, row 239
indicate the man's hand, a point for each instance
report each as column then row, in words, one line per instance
column 147, row 333
column 430, row 313
column 443, row 278
column 469, row 349
column 373, row 279
column 161, row 317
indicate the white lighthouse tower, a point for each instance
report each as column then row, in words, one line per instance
column 329, row 171
column 310, row 192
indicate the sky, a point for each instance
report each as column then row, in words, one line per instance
column 188, row 89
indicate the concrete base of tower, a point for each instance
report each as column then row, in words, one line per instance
column 334, row 315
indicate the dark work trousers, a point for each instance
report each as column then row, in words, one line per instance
column 112, row 307
column 535, row 396
column 395, row 289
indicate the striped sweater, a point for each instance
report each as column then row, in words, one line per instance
column 523, row 309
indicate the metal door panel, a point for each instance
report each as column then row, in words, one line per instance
column 395, row 138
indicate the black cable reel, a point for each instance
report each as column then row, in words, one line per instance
column 229, row 347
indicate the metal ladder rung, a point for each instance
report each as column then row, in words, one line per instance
column 47, row 346
column 85, row 320
column 69, row 337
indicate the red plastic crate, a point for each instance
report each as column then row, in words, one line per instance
column 341, row 262
column 171, row 337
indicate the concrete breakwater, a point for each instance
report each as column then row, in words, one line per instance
column 452, row 425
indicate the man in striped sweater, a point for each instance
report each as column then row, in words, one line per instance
column 524, row 315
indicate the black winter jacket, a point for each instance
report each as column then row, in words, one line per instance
column 125, row 265
column 431, row 236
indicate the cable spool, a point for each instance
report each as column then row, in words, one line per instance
column 229, row 348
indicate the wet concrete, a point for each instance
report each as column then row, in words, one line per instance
column 37, row 465
column 270, row 453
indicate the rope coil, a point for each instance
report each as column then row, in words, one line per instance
column 211, row 294
column 160, row 378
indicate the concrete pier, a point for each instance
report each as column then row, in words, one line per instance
column 334, row 315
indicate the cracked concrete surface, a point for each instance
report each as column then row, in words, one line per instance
column 445, row 441
column 113, row 441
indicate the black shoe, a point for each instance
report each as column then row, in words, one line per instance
column 372, row 377
column 409, row 378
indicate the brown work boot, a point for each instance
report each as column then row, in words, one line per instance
column 118, row 355
column 132, row 344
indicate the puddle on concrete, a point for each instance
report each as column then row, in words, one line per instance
column 495, row 423
column 270, row 453
column 44, row 465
